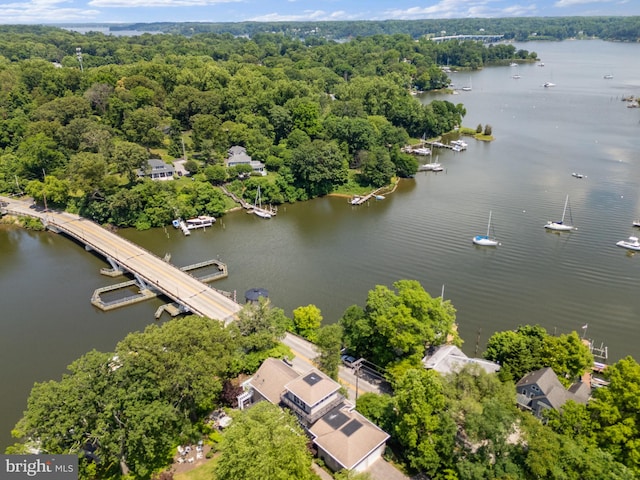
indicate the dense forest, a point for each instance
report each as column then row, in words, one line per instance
column 128, row 410
column 625, row 29
column 80, row 116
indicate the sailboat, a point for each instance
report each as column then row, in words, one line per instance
column 561, row 226
column 431, row 166
column 486, row 240
column 257, row 207
column 468, row 87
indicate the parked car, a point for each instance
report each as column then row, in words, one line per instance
column 348, row 360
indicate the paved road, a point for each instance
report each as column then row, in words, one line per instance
column 182, row 287
column 305, row 352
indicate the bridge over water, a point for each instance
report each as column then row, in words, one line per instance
column 149, row 270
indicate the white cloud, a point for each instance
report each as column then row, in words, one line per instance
column 571, row 3
column 156, row 3
column 39, row 11
column 307, row 15
column 462, row 8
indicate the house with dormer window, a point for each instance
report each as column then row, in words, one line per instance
column 344, row 439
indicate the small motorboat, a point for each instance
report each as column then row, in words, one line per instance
column 577, row 175
column 630, row 243
column 636, row 223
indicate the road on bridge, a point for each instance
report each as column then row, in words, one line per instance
column 181, row 287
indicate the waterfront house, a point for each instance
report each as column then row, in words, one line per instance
column 344, row 439
column 157, row 170
column 446, row 359
column 540, row 390
column 237, row 155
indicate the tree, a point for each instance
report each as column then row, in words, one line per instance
column 568, row 356
column 398, row 325
column 261, row 327
column 423, row 429
column 517, row 351
column 136, row 403
column 319, row 166
column 377, row 168
column 129, row 158
column 307, row 321
column 329, row 343
column 264, row 442
column 487, row 130
column 616, row 411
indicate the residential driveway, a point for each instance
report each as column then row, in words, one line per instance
column 382, row 470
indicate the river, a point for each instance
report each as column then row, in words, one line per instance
column 330, row 254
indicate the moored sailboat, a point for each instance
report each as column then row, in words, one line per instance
column 560, row 225
column 486, row 240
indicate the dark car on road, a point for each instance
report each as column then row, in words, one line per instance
column 348, row 360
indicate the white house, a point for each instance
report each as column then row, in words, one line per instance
column 238, row 156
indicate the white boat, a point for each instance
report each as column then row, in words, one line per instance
column 467, row 88
column 430, row 167
column 577, row 175
column 257, row 207
column 630, row 243
column 422, row 151
column 459, row 143
column 636, row 223
column 355, row 200
column 561, row 226
column 202, row 221
column 548, row 85
column 516, row 76
column 486, row 240
column 608, row 76
column 541, row 64
column 380, row 197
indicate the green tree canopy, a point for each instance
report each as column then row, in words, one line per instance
column 396, row 325
column 264, row 442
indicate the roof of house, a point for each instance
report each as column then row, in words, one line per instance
column 446, row 359
column 271, row 378
column 347, row 436
column 312, row 386
column 157, row 164
column 551, row 388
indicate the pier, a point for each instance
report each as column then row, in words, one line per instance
column 251, row 208
column 149, row 271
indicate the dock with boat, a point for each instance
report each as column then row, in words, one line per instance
column 259, row 210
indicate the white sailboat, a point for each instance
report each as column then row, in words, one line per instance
column 467, row 88
column 257, row 207
column 561, row 226
column 486, row 240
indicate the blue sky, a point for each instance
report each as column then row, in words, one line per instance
column 127, row 11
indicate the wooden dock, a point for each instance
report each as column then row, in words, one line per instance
column 251, row 208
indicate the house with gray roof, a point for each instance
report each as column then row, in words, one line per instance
column 446, row 359
column 540, row 390
column 157, row 170
column 237, row 155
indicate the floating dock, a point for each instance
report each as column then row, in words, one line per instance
column 147, row 293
